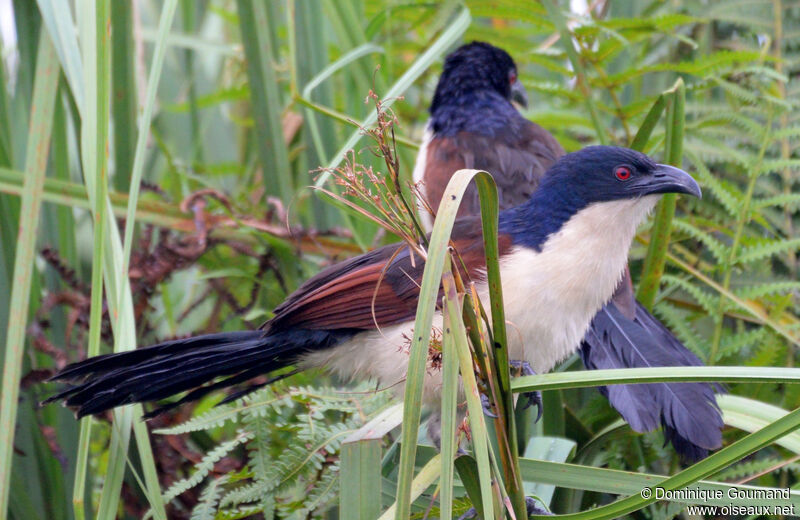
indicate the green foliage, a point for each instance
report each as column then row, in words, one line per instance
column 292, row 439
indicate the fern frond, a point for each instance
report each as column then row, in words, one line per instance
column 206, row 508
column 784, row 200
column 324, row 492
column 724, row 119
column 244, row 494
column 745, row 469
column 753, row 292
column 733, row 343
column 728, row 197
column 766, row 249
column 237, row 514
column 787, row 133
column 714, row 151
column 705, row 66
column 777, row 165
column 714, row 246
column 206, row 464
column 709, row 302
column 214, row 418
column 682, row 328
column 768, row 352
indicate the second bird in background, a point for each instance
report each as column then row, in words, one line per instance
column 473, row 124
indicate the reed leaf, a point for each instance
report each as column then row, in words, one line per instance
column 44, row 95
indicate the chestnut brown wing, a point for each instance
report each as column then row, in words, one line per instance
column 380, row 287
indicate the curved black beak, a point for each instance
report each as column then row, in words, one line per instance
column 519, row 94
column 667, row 179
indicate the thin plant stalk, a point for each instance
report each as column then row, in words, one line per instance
column 42, row 108
column 654, row 262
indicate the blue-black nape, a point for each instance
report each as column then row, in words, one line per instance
column 475, row 66
column 576, row 180
column 474, row 93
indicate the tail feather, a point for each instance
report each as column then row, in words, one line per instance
column 185, row 365
column 198, row 393
column 688, row 412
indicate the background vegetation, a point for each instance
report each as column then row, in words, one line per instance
column 240, row 100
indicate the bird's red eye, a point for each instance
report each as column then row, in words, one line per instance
column 622, row 173
column 512, row 77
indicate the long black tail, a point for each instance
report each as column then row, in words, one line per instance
column 160, row 371
column 687, row 411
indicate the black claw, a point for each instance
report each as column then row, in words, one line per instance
column 487, row 407
column 531, row 398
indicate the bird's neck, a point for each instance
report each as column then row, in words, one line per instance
column 546, row 212
column 482, row 112
column 557, row 210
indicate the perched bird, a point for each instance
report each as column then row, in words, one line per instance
column 563, row 252
column 473, row 124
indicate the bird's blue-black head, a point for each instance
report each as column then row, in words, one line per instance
column 595, row 174
column 477, row 83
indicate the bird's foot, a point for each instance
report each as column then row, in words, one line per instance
column 531, row 505
column 533, row 508
column 487, row 407
column 524, row 368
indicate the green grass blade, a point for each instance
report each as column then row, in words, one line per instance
column 348, row 58
column 95, row 329
column 6, row 153
column 648, row 124
column 360, row 467
column 714, row 463
column 442, row 44
column 360, row 471
column 319, row 79
column 57, row 18
column 750, row 415
column 44, row 95
column 508, row 444
column 477, row 422
column 656, row 257
column 94, row 125
column 95, row 42
column 603, row 480
column 467, row 470
column 424, row 479
column 167, row 15
column 426, row 307
column 124, row 99
column 434, row 267
column 264, row 90
column 449, row 398
column 139, row 428
column 620, row 376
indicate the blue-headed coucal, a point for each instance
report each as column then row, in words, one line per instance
column 473, row 124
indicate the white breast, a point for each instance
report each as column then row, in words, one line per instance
column 550, row 298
